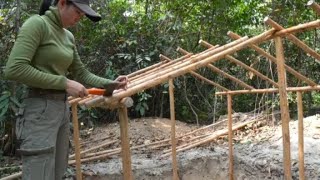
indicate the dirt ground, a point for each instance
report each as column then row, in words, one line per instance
column 257, row 150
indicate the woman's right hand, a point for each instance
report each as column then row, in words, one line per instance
column 75, row 89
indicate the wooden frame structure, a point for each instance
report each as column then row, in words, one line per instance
column 167, row 70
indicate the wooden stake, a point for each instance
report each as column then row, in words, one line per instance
column 76, row 140
column 284, row 108
column 314, row 6
column 173, row 131
column 230, row 135
column 125, row 146
column 300, row 132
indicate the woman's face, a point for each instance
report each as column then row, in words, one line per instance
column 69, row 13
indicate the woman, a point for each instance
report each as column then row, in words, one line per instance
column 44, row 52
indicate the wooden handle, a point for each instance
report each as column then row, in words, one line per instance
column 96, row 91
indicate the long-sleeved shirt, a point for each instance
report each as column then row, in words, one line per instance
column 44, row 52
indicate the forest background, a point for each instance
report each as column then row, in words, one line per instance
column 133, row 33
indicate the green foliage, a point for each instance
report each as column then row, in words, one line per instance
column 142, row 105
column 316, row 98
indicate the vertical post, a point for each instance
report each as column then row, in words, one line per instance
column 125, row 146
column 76, row 140
column 284, row 108
column 230, row 135
column 173, row 131
column 300, row 138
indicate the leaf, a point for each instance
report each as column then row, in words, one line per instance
column 3, row 97
column 145, row 105
column 148, row 58
column 4, row 103
column 142, row 111
column 4, row 110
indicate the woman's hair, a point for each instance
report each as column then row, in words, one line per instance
column 46, row 4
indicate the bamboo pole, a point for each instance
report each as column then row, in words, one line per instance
column 85, row 99
column 142, row 77
column 271, row 90
column 294, row 39
column 125, row 146
column 241, row 83
column 300, row 137
column 230, row 136
column 296, row 29
column 75, row 101
column 13, row 176
column 76, row 140
column 208, row 81
column 215, row 69
column 234, row 60
column 193, row 59
column 257, row 73
column 284, row 108
column 314, row 6
column 200, row 76
column 94, row 148
column 99, row 157
column 141, row 71
column 88, row 155
column 274, row 60
column 173, row 131
column 212, row 137
column 94, row 101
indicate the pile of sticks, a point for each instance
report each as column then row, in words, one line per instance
column 195, row 138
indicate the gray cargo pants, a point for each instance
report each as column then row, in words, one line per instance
column 43, row 128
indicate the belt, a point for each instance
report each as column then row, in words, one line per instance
column 52, row 94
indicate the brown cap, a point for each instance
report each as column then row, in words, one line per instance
column 84, row 6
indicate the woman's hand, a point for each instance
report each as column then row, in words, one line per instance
column 76, row 89
column 122, row 82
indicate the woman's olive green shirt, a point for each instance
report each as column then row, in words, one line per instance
column 44, row 52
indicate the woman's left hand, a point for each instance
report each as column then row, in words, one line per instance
column 123, row 82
